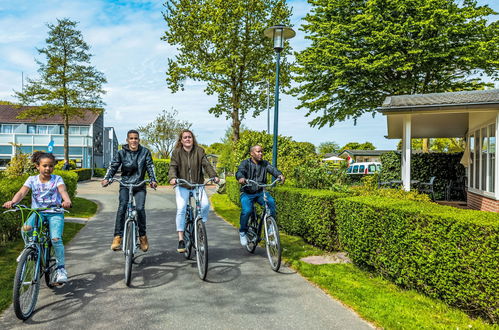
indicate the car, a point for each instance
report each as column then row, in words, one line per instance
column 364, row 168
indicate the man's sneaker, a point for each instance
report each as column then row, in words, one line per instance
column 116, row 245
column 144, row 244
column 61, row 276
column 243, row 239
column 181, row 246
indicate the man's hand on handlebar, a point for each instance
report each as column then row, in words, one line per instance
column 242, row 180
column 104, row 183
column 153, row 184
column 282, row 178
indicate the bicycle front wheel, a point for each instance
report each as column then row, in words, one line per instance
column 201, row 249
column 252, row 234
column 130, row 232
column 26, row 285
column 273, row 243
column 50, row 267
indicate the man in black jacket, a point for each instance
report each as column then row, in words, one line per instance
column 134, row 160
column 256, row 169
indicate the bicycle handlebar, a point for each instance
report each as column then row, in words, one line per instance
column 259, row 185
column 128, row 185
column 19, row 207
column 194, row 185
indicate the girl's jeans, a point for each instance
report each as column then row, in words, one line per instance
column 56, row 227
column 182, row 197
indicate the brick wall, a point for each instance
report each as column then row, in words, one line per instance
column 479, row 202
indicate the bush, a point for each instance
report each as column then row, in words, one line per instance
column 161, row 167
column 444, row 166
column 444, row 252
column 19, row 165
column 100, row 172
column 233, row 190
column 317, row 175
column 60, row 164
column 83, row 173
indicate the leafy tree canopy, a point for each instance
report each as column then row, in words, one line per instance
column 222, row 44
column 364, row 50
column 437, row 145
column 359, row 146
column 162, row 133
column 328, row 147
column 68, row 85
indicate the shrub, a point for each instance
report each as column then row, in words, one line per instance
column 161, row 167
column 444, row 252
column 100, row 172
column 20, row 164
column 60, row 164
column 83, row 173
column 233, row 190
column 317, row 175
column 444, row 166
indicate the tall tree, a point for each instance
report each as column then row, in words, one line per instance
column 68, row 85
column 363, row 50
column 162, row 133
column 222, row 43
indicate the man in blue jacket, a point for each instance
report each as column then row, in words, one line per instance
column 256, row 169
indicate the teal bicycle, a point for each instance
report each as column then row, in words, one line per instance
column 36, row 260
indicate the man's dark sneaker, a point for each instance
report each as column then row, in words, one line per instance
column 181, row 246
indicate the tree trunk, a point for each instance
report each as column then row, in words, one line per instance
column 236, row 123
column 426, row 145
column 66, row 138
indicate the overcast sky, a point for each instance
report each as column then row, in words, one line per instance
column 124, row 37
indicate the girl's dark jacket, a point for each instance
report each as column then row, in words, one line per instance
column 189, row 165
column 134, row 165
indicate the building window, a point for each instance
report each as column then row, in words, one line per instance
column 42, row 129
column 482, row 152
column 74, row 130
column 31, row 129
column 84, row 130
column 7, row 129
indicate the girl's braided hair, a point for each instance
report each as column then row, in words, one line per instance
column 39, row 155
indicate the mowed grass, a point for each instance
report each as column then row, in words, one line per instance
column 82, row 208
column 8, row 264
column 374, row 298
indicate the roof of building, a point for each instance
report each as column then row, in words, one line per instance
column 9, row 113
column 365, row 152
column 421, row 101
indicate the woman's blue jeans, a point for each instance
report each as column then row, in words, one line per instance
column 56, row 227
column 247, row 201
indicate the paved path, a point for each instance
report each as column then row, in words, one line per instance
column 241, row 290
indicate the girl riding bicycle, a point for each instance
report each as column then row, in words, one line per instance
column 187, row 162
column 48, row 190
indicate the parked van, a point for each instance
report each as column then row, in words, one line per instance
column 364, row 168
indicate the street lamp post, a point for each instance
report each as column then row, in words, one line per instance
column 278, row 33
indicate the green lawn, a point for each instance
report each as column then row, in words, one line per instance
column 374, row 298
column 8, row 264
column 82, row 208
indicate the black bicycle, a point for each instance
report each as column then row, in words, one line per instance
column 36, row 260
column 195, row 236
column 267, row 221
column 131, row 231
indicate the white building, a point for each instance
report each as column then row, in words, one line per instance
column 86, row 137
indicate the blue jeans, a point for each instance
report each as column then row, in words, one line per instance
column 247, row 201
column 56, row 227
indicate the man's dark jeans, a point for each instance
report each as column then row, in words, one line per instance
column 140, row 200
column 247, row 201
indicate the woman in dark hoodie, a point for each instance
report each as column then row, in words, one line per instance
column 134, row 160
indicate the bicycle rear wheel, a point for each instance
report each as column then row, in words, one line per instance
column 50, row 267
column 201, row 249
column 26, row 285
column 130, row 232
column 252, row 233
column 273, row 243
column 188, row 235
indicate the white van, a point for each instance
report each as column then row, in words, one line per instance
column 364, row 168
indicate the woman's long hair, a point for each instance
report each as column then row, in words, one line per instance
column 178, row 145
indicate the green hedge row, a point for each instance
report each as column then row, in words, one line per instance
column 100, row 172
column 444, row 166
column 161, row 167
column 444, row 252
column 83, row 173
column 9, row 223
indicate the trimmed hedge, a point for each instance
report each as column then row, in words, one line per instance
column 100, row 172
column 307, row 213
column 9, row 223
column 444, row 166
column 444, row 252
column 161, row 167
column 83, row 173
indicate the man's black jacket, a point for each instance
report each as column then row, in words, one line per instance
column 256, row 172
column 133, row 165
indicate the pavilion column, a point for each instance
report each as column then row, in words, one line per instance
column 406, row 153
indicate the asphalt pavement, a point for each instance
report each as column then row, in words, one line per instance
column 241, row 291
